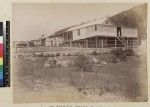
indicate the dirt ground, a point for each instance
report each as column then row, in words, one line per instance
column 35, row 81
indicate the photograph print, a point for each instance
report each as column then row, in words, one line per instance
column 79, row 52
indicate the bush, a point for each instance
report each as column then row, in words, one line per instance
column 63, row 54
column 94, row 53
column 117, row 52
column 40, row 55
column 52, row 55
column 58, row 54
column 20, row 56
column 46, row 55
column 69, row 54
column 31, row 43
column 129, row 52
column 83, row 63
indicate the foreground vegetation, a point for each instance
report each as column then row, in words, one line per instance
column 90, row 74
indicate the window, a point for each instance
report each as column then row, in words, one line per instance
column 78, row 31
column 95, row 27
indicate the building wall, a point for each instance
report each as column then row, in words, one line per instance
column 103, row 30
column 128, row 32
column 37, row 42
column 91, row 31
column 81, row 36
column 43, row 42
column 108, row 31
column 56, row 41
column 48, row 41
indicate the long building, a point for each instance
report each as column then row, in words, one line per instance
column 122, row 29
column 40, row 41
column 100, row 33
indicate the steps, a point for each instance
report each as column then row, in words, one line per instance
column 122, row 40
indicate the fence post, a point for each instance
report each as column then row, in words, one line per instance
column 96, row 41
column 70, row 43
column 115, row 42
column 86, row 43
column 127, row 42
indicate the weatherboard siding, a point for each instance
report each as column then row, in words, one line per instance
column 102, row 30
column 129, row 32
column 54, row 41
column 81, row 36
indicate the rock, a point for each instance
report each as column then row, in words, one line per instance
column 94, row 60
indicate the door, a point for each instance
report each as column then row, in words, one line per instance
column 118, row 31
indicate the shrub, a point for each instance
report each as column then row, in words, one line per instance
column 31, row 43
column 46, row 55
column 63, row 54
column 52, row 55
column 69, row 54
column 117, row 52
column 20, row 56
column 94, row 53
column 129, row 52
column 40, row 55
column 53, row 63
column 83, row 63
column 58, row 54
column 133, row 90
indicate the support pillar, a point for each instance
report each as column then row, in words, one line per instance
column 70, row 43
column 127, row 42
column 75, row 44
column 102, row 43
column 86, row 43
column 106, row 43
column 96, row 41
column 64, row 37
column 90, row 42
column 27, row 44
column 115, row 42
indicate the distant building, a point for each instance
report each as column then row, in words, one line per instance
column 40, row 42
column 19, row 44
column 53, row 40
column 125, row 29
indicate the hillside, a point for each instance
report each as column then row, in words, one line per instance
column 134, row 17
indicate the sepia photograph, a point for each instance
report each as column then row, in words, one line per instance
column 79, row 52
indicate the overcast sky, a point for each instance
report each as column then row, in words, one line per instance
column 30, row 21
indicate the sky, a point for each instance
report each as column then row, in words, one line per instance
column 32, row 20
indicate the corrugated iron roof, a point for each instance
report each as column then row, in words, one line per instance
column 62, row 30
column 90, row 23
column 82, row 25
